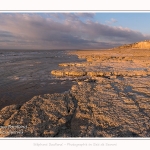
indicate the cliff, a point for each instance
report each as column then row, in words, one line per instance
column 138, row 45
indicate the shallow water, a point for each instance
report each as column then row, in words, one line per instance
column 26, row 73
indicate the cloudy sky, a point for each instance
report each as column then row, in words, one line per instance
column 72, row 30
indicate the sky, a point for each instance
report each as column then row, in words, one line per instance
column 69, row 30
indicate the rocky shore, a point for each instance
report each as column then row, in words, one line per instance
column 110, row 98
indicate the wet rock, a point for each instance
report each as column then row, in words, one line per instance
column 68, row 73
column 57, row 72
column 75, row 73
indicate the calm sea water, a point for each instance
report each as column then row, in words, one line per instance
column 24, row 74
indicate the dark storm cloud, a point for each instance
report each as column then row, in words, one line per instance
column 36, row 31
column 97, row 30
column 5, row 34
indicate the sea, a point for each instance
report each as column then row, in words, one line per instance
column 26, row 73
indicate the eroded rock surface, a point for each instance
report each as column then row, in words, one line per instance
column 96, row 107
column 47, row 115
column 126, row 62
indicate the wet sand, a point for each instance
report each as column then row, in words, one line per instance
column 25, row 74
column 21, row 93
